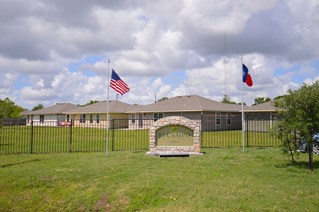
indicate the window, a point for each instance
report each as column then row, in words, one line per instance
column 228, row 119
column 97, row 118
column 217, row 119
column 67, row 118
column 91, row 118
column 157, row 116
column 133, row 117
column 41, row 118
column 82, row 118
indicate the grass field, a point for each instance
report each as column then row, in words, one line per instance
column 233, row 138
column 261, row 179
column 23, row 139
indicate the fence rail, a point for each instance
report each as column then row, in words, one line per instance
column 52, row 138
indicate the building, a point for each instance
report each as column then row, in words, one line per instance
column 261, row 117
column 210, row 114
column 50, row 116
column 94, row 115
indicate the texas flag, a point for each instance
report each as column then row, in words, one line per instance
column 246, row 76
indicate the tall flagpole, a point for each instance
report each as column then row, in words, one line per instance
column 107, row 109
column 225, row 61
column 242, row 108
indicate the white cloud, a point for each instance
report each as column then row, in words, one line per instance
column 7, row 80
column 149, row 41
column 31, row 94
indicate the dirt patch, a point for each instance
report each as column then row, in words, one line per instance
column 102, row 204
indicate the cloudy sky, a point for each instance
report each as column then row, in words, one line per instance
column 56, row 50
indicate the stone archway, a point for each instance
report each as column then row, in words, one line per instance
column 174, row 135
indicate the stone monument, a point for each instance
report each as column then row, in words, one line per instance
column 174, row 136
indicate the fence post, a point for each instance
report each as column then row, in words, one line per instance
column 247, row 128
column 31, row 138
column 70, row 141
column 113, row 134
column 1, row 133
column 201, row 129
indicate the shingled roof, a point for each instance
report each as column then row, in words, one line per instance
column 101, row 107
column 186, row 103
column 263, row 107
column 59, row 108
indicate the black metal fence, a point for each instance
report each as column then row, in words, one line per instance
column 50, row 137
column 226, row 130
column 12, row 122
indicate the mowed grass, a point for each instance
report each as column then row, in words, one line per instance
column 223, row 179
column 24, row 139
column 233, row 138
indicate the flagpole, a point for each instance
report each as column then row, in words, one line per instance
column 242, row 109
column 107, row 109
column 225, row 61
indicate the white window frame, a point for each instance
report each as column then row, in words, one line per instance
column 217, row 119
column 157, row 116
column 133, row 118
column 82, row 118
column 97, row 118
column 41, row 118
column 228, row 118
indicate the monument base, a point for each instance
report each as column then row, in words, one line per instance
column 173, row 154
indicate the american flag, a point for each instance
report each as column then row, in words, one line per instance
column 117, row 84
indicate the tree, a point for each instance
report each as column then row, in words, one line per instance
column 279, row 97
column 227, row 100
column 162, row 99
column 9, row 109
column 300, row 117
column 260, row 100
column 38, row 107
column 90, row 103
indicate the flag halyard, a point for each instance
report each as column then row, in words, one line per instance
column 118, row 84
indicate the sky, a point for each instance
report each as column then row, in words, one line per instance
column 55, row 51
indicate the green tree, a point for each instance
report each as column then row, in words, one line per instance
column 90, row 103
column 38, row 107
column 162, row 99
column 300, row 117
column 8, row 109
column 227, row 100
column 279, row 97
column 260, row 100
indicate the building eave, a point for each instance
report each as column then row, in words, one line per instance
column 260, row 111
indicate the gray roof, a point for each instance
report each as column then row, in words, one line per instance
column 191, row 103
column 263, row 107
column 59, row 108
column 101, row 107
column 186, row 103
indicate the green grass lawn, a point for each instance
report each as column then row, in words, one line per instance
column 261, row 179
column 23, row 139
column 233, row 138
